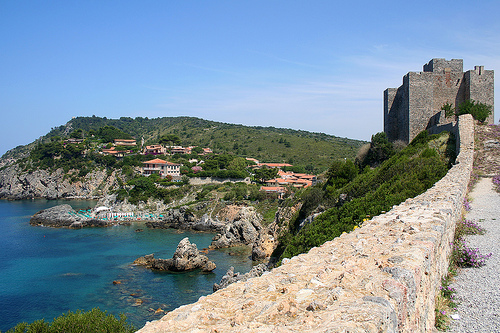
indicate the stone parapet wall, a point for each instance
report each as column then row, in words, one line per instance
column 382, row 277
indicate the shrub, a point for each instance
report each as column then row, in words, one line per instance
column 341, row 173
column 94, row 320
column 380, row 150
column 496, row 182
column 478, row 110
column 469, row 227
column 445, row 301
column 406, row 174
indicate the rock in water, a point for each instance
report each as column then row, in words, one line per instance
column 58, row 216
column 186, row 258
column 232, row 277
column 64, row 216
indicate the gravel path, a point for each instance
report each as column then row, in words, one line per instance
column 478, row 289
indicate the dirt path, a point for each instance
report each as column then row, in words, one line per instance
column 478, row 289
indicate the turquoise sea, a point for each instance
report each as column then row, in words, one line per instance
column 45, row 272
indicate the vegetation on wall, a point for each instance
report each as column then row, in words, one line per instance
column 478, row 110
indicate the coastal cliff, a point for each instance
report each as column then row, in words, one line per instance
column 16, row 184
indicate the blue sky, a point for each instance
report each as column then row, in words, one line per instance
column 319, row 66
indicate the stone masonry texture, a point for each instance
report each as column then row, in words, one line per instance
column 381, row 277
column 416, row 104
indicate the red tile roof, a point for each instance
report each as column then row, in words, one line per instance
column 156, row 161
column 275, row 165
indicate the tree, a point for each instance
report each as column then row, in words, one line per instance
column 210, row 165
column 197, row 150
column 341, row 173
column 170, row 139
column 77, row 134
column 265, row 173
column 110, row 133
column 380, row 150
column 238, row 164
column 224, row 160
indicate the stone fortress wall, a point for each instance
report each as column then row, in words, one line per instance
column 381, row 277
column 416, row 104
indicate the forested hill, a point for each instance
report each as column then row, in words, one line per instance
column 267, row 144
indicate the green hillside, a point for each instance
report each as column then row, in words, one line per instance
column 350, row 195
column 267, row 144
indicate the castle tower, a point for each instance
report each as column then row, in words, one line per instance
column 416, row 104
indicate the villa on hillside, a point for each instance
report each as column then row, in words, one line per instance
column 207, row 151
column 154, row 150
column 297, row 180
column 180, row 150
column 113, row 152
column 293, row 175
column 274, row 165
column 274, row 189
column 125, row 142
column 73, row 141
column 161, row 167
column 252, row 160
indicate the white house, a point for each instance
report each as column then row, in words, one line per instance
column 161, row 167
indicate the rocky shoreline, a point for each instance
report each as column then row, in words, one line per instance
column 237, row 225
column 16, row 184
column 64, row 216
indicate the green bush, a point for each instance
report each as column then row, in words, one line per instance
column 341, row 173
column 407, row 174
column 478, row 110
column 380, row 150
column 94, row 320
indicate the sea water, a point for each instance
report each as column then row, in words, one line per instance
column 45, row 272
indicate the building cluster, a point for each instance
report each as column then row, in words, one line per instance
column 156, row 149
column 164, row 169
column 288, row 179
column 161, row 150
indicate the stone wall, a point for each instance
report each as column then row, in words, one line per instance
column 382, row 277
column 416, row 104
column 479, row 86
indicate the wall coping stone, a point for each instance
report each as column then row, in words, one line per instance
column 381, row 277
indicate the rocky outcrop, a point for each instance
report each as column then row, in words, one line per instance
column 64, row 216
column 243, row 230
column 265, row 243
column 183, row 218
column 267, row 240
column 186, row 258
column 16, row 184
column 232, row 277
